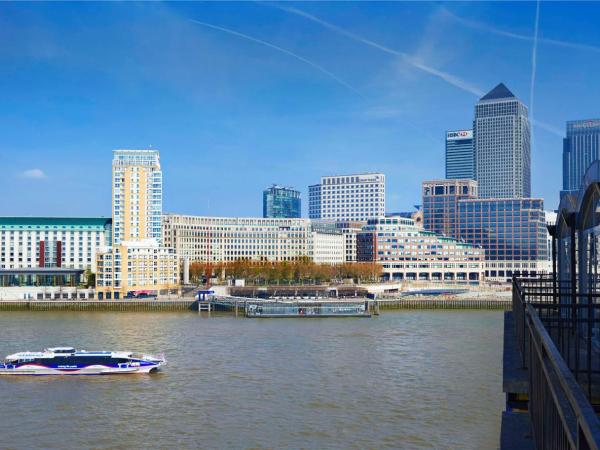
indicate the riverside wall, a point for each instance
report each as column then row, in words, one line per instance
column 192, row 305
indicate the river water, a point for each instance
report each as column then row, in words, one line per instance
column 405, row 379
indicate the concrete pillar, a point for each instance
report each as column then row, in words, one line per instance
column 186, row 271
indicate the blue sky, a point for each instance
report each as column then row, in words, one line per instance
column 331, row 88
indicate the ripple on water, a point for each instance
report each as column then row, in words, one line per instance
column 406, row 379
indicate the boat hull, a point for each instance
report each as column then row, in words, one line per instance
column 91, row 370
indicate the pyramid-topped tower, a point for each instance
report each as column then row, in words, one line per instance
column 501, row 134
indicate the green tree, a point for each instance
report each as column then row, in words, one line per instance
column 90, row 279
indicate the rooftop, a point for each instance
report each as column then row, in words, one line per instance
column 54, row 221
column 499, row 92
column 42, row 271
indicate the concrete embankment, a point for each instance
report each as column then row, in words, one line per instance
column 192, row 305
column 99, row 305
column 438, row 303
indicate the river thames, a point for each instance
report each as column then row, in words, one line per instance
column 405, row 379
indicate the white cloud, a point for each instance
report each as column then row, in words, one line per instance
column 33, row 173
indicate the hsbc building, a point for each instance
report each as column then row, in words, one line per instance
column 460, row 158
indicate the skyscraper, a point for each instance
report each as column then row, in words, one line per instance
column 281, row 203
column 581, row 148
column 348, row 197
column 502, row 145
column 460, row 156
column 136, row 262
column 137, row 195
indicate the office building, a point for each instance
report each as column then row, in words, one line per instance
column 281, row 203
column 407, row 252
column 502, row 145
column 136, row 261
column 581, row 148
column 348, row 197
column 440, row 204
column 350, row 229
column 228, row 239
column 52, row 242
column 314, row 201
column 512, row 232
column 328, row 243
column 460, row 155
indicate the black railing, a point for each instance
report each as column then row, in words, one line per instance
column 556, row 339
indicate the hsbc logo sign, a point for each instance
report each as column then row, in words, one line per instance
column 459, row 134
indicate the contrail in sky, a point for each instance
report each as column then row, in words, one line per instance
column 304, row 60
column 549, row 128
column 449, row 78
column 282, row 50
column 490, row 29
column 534, row 62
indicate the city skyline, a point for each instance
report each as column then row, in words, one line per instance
column 211, row 132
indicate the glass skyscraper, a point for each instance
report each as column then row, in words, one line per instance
column 581, row 148
column 460, row 156
column 502, row 145
column 281, row 203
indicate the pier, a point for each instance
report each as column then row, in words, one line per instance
column 551, row 367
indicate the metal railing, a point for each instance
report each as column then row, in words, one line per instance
column 553, row 330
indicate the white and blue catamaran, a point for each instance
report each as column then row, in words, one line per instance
column 68, row 361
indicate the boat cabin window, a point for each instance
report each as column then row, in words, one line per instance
column 62, row 351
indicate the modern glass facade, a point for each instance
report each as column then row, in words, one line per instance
column 502, row 145
column 281, row 203
column 508, row 229
column 581, row 148
column 440, row 204
column 40, row 277
column 460, row 155
column 314, row 201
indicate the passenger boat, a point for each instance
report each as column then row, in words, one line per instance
column 68, row 361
